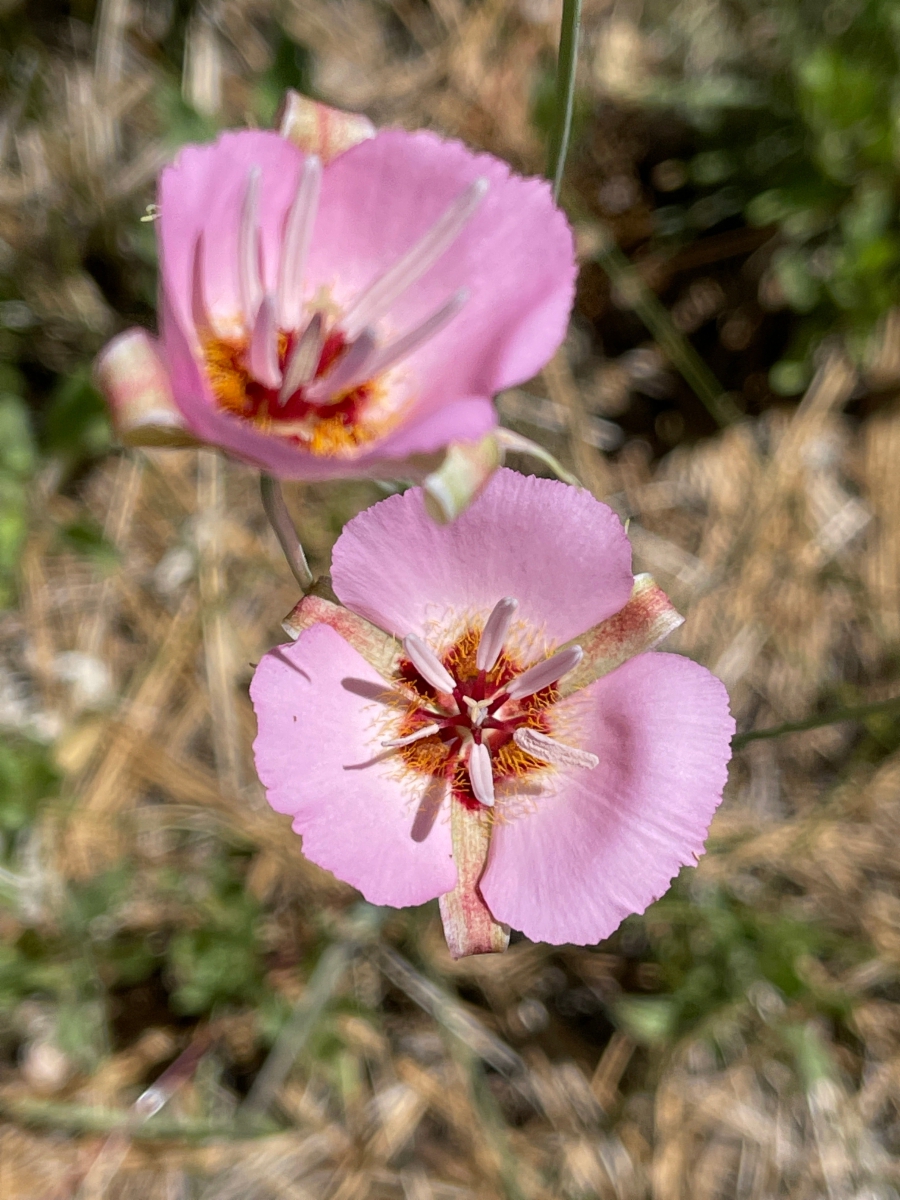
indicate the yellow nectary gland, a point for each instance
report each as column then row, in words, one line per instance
column 439, row 755
column 331, row 430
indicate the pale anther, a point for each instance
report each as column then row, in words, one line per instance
column 494, row 633
column 295, row 246
column 544, row 673
column 481, row 774
column 427, row 663
column 248, row 250
column 549, row 750
column 377, row 299
column 405, row 345
column 264, row 346
column 424, row 732
column 304, row 359
column 348, row 373
column 199, row 311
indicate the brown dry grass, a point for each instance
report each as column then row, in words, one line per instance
column 778, row 538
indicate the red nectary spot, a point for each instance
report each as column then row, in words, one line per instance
column 335, row 345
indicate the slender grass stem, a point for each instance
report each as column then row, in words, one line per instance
column 491, row 1125
column 65, row 1117
column 308, row 1012
column 624, row 277
column 569, row 33
column 280, row 520
column 676, row 347
column 857, row 713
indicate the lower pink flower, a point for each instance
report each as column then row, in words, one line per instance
column 479, row 719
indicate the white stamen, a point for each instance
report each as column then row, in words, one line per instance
column 199, row 311
column 549, row 750
column 351, row 370
column 544, row 673
column 407, row 343
column 403, row 346
column 494, row 633
column 481, row 774
column 264, row 346
column 375, row 301
column 295, row 246
column 427, row 663
column 248, row 251
column 424, row 732
column 301, row 366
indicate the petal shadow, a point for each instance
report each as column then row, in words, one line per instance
column 372, row 691
column 429, row 807
column 278, row 652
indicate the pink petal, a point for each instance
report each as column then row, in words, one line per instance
column 515, row 257
column 204, row 191
column 609, row 841
column 459, row 419
column 562, row 554
column 319, row 756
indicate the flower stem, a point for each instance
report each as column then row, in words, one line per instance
column 857, row 713
column 565, row 92
column 280, row 520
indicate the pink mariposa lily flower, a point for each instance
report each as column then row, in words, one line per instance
column 351, row 316
column 479, row 719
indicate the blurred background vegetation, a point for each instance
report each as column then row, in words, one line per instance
column 734, row 183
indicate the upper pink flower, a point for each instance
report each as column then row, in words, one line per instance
column 493, row 688
column 334, row 320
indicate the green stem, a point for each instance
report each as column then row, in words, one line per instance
column 570, row 29
column 89, row 1119
column 857, row 713
column 280, row 520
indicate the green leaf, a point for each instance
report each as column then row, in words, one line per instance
column 27, row 777
column 76, row 424
column 17, row 451
column 291, row 68
column 649, row 1020
column 789, row 378
column 85, row 537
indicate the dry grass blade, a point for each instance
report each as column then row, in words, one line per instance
column 448, row 1012
column 217, row 641
column 296, row 1032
